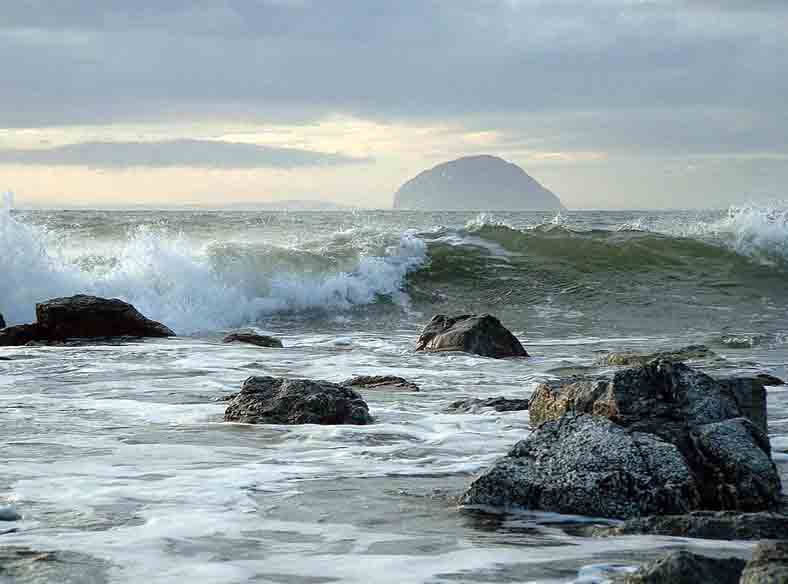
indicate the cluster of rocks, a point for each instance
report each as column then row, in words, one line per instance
column 81, row 317
column 661, row 438
column 768, row 565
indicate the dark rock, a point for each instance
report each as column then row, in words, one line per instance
column 253, row 339
column 22, row 334
column 83, row 316
column 2, row 321
column 768, row 565
column 499, row 404
column 588, row 465
column 750, row 394
column 683, row 567
column 729, row 455
column 387, row 382
column 725, row 525
column 270, row 400
column 685, row 354
column 480, row 334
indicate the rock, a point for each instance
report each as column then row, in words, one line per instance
column 768, row 565
column 270, row 400
column 388, row 382
column 684, row 354
column 483, row 183
column 732, row 459
column 683, row 567
column 588, row 465
column 499, row 404
column 483, row 335
column 22, row 334
column 9, row 513
column 729, row 455
column 725, row 525
column 253, row 339
column 83, row 316
column 2, row 321
column 750, row 395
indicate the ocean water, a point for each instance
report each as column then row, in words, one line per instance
column 117, row 458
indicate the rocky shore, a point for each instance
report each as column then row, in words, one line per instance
column 654, row 443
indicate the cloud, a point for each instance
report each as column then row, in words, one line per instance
column 207, row 154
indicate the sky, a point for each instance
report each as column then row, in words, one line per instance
column 609, row 103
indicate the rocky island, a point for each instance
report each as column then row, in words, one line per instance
column 475, row 183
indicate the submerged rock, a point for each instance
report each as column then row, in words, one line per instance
column 768, row 565
column 499, row 404
column 80, row 317
column 725, row 525
column 271, row 400
column 388, row 382
column 253, row 339
column 9, row 513
column 683, row 567
column 587, row 465
column 685, row 354
column 729, row 455
column 480, row 334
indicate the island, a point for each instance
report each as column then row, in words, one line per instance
column 475, row 183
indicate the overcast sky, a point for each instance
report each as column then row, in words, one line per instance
column 609, row 103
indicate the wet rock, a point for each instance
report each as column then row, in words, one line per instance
column 253, row 339
column 729, row 455
column 768, row 565
column 387, row 382
column 84, row 316
column 22, row 334
column 480, row 334
column 750, row 395
column 587, row 465
column 683, row 567
column 685, row 354
column 499, row 404
column 9, row 513
column 725, row 525
column 271, row 400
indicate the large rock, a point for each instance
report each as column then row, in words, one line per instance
column 271, row 400
column 588, row 465
column 724, row 525
column 483, row 183
column 729, row 455
column 252, row 338
column 83, row 316
column 480, row 334
column 683, row 567
column 768, row 565
column 383, row 382
column 476, row 405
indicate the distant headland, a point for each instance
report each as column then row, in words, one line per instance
column 475, row 183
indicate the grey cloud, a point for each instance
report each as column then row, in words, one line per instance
column 79, row 61
column 207, row 154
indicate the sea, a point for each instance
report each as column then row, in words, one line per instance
column 116, row 460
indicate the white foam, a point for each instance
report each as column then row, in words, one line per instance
column 171, row 279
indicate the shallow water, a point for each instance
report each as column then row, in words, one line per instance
column 117, row 458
